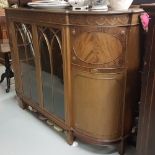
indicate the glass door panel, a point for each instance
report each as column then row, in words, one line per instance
column 46, row 76
column 27, row 61
column 58, row 81
column 52, row 70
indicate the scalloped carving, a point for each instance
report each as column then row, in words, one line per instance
column 97, row 48
column 113, row 20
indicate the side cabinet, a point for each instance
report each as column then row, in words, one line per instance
column 146, row 135
column 105, row 62
column 98, row 75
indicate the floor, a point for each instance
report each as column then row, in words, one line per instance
column 22, row 133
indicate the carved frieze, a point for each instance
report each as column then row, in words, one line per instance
column 98, row 20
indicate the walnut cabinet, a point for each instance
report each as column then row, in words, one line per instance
column 79, row 69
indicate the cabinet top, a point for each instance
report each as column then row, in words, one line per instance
column 70, row 11
column 69, row 17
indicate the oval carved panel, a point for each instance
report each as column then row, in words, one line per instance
column 97, row 47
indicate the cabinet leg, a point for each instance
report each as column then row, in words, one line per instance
column 2, row 77
column 21, row 103
column 122, row 147
column 8, row 85
column 70, row 137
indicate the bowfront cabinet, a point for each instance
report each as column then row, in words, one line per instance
column 79, row 69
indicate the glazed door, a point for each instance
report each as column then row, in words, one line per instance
column 51, row 58
column 26, row 57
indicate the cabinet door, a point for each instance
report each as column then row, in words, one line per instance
column 97, row 104
column 98, row 47
column 50, row 46
column 98, row 76
column 27, row 61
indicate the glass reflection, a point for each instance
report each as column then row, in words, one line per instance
column 52, row 70
column 27, row 61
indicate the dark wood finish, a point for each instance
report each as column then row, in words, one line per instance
column 142, row 1
column 95, row 58
column 19, row 2
column 1, row 58
column 8, row 74
column 3, row 32
column 5, row 55
column 146, row 135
